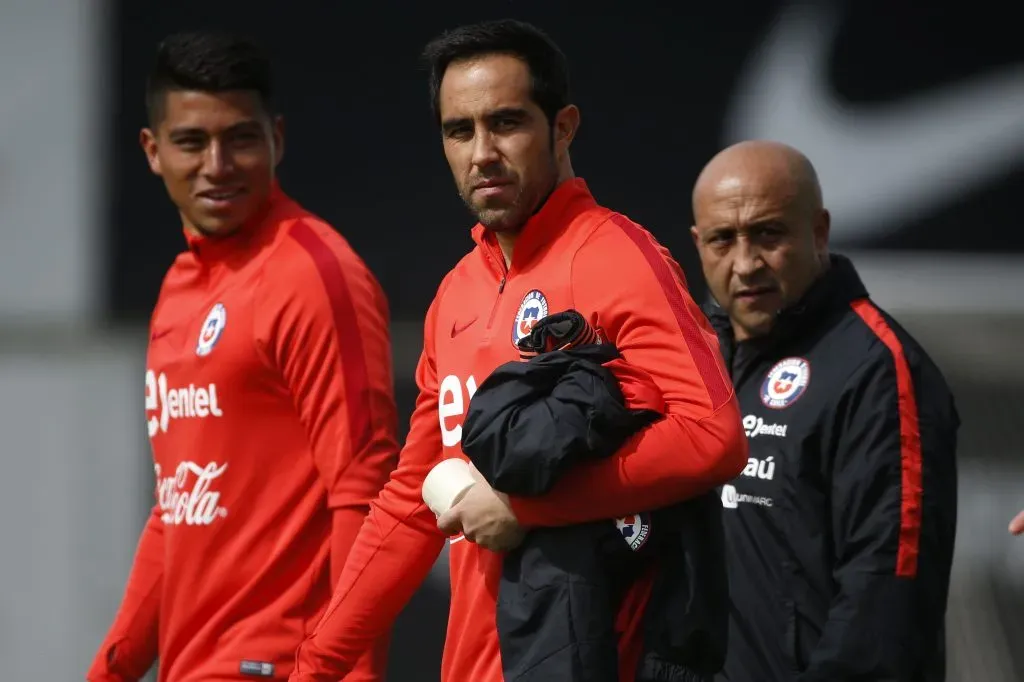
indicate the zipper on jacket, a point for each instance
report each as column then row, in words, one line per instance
column 497, row 300
column 502, row 268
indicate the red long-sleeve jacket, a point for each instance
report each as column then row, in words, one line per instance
column 271, row 417
column 572, row 254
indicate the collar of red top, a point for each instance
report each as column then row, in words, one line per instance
column 569, row 199
column 207, row 247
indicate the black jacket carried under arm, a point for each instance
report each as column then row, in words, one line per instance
column 561, row 590
column 840, row 531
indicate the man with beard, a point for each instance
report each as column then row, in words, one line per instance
column 543, row 245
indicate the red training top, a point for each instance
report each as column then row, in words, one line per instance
column 571, row 254
column 271, row 415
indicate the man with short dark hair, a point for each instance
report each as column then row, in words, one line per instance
column 268, row 392
column 543, row 245
column 840, row 529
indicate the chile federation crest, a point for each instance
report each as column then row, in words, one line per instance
column 212, row 329
column 786, row 381
column 532, row 310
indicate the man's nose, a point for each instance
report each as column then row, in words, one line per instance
column 217, row 161
column 747, row 260
column 485, row 151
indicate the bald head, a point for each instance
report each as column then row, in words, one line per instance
column 771, row 166
column 760, row 229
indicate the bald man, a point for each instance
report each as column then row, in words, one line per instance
column 840, row 529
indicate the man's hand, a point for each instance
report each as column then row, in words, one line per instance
column 1017, row 525
column 483, row 516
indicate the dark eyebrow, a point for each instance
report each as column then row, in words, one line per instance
column 241, row 126
column 450, row 124
column 517, row 113
column 509, row 112
column 769, row 223
column 720, row 231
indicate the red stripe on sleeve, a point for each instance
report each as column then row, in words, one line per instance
column 346, row 332
column 910, row 441
column 710, row 370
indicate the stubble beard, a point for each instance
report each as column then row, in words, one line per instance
column 508, row 218
column 512, row 217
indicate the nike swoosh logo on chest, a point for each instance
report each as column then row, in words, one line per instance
column 460, row 326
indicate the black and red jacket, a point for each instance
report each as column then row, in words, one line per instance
column 840, row 530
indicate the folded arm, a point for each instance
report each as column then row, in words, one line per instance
column 649, row 315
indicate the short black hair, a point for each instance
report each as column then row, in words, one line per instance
column 207, row 61
column 549, row 69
